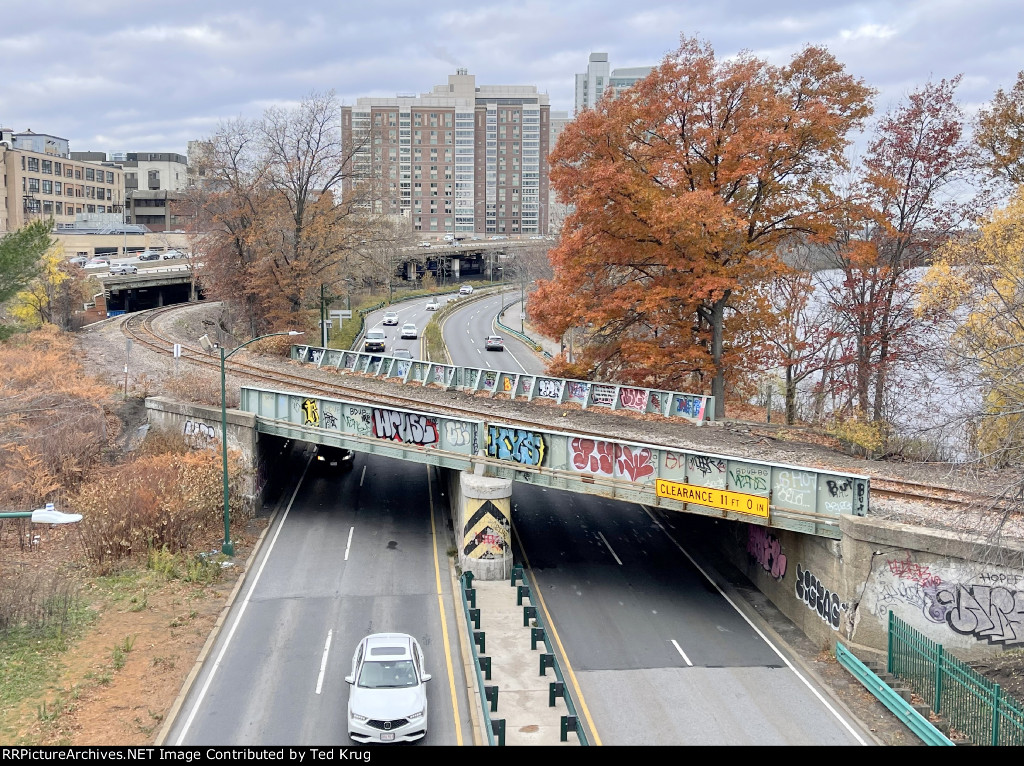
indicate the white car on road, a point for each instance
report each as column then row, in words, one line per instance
column 432, row 306
column 387, row 700
column 409, row 331
column 390, row 318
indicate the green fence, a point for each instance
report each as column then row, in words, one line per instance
column 971, row 703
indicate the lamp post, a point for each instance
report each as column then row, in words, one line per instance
column 228, row 549
column 45, row 515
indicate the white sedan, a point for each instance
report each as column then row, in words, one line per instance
column 409, row 331
column 387, row 701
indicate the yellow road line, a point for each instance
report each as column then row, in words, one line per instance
column 551, row 626
column 444, row 622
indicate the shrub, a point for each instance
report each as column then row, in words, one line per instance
column 157, row 502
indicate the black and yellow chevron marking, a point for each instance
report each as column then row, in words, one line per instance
column 486, row 531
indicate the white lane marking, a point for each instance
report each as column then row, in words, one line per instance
column 601, row 535
column 348, row 545
column 241, row 611
column 764, row 638
column 362, row 476
column 323, row 662
column 680, row 650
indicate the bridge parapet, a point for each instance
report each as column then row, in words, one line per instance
column 695, row 408
column 785, row 496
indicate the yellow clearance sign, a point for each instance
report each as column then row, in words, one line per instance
column 739, row 502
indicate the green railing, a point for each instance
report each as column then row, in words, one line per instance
column 972, row 704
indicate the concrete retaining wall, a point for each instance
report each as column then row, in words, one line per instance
column 966, row 595
column 200, row 426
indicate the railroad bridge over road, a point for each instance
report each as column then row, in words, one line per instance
column 831, row 568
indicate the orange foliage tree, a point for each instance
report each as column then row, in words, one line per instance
column 683, row 187
column 916, row 187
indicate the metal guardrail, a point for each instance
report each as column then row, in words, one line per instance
column 515, row 333
column 549, row 659
column 969, row 701
column 495, row 728
column 695, row 408
column 913, row 720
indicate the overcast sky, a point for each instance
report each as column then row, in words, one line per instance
column 131, row 76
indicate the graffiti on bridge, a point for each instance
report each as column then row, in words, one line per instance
column 457, row 434
column 310, row 412
column 550, row 389
column 405, row 427
column 690, row 406
column 515, row 444
column 765, row 548
column 634, row 399
column 607, row 459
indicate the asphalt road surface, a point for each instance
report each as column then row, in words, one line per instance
column 353, row 553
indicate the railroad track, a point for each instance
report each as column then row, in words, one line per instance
column 139, row 327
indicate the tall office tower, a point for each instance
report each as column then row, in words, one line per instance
column 592, row 84
column 458, row 159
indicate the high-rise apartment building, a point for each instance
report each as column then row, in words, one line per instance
column 462, row 158
column 592, row 84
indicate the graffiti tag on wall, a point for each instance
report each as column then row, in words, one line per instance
column 406, row 427
column 765, row 548
column 634, row 399
column 549, row 389
column 515, row 444
column 818, row 598
column 200, row 435
column 607, row 459
column 992, row 614
column 310, row 412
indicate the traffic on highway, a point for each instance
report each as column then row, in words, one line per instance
column 658, row 654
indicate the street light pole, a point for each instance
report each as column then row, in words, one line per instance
column 228, row 548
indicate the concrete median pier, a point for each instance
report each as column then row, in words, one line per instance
column 482, row 507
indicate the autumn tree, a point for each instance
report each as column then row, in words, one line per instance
column 999, row 132
column 20, row 256
column 271, row 204
column 52, row 296
column 913, row 192
column 977, row 280
column 683, row 188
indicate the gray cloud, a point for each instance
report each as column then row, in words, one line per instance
column 117, row 76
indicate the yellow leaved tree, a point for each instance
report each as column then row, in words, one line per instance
column 978, row 282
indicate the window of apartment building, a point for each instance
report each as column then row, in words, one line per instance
column 101, row 209
column 109, row 193
column 33, row 185
column 48, row 167
column 58, row 208
column 90, row 174
column 47, row 187
column 58, row 187
column 433, row 190
column 433, row 119
column 110, row 176
column 433, row 136
column 79, row 192
column 417, row 119
column 392, row 117
column 33, row 164
column 90, row 208
column 68, row 172
column 78, row 174
column 58, row 168
column 47, row 207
